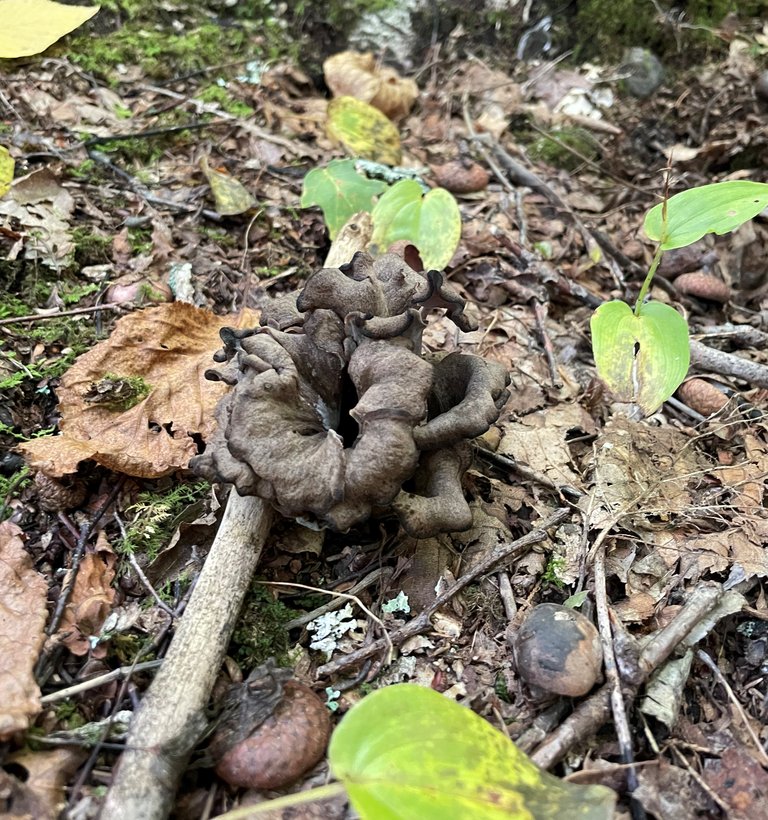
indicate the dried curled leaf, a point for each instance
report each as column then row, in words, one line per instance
column 354, row 74
column 702, row 396
column 22, row 621
column 169, row 346
column 91, row 600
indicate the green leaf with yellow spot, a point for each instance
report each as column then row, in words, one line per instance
column 406, row 751
column 230, row 195
column 363, row 130
column 340, row 192
column 642, row 358
column 432, row 223
column 6, row 170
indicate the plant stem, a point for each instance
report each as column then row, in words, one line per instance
column 647, row 283
column 297, row 799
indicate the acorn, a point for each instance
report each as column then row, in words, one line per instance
column 271, row 735
column 558, row 651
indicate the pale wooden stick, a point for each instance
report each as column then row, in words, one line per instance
column 168, row 724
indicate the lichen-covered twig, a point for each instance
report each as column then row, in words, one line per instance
column 168, row 724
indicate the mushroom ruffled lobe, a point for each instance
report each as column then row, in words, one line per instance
column 334, row 408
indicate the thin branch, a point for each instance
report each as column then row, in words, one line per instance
column 423, row 622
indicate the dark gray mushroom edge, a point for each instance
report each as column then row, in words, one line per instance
column 335, row 407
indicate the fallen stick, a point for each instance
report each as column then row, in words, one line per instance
column 171, row 717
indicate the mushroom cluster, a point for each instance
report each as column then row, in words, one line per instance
column 334, row 408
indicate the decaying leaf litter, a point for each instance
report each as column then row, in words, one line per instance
column 663, row 517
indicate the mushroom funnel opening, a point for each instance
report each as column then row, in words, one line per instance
column 334, row 407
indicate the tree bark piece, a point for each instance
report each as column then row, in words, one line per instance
column 171, row 718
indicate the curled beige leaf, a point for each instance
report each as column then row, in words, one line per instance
column 170, row 348
column 91, row 601
column 354, row 74
column 22, row 621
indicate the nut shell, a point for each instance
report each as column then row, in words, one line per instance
column 282, row 748
column 702, row 396
column 461, row 177
column 558, row 650
column 704, row 286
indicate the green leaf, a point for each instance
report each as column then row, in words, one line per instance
column 30, row 26
column 363, row 130
column 432, row 223
column 340, row 192
column 406, row 751
column 6, row 170
column 716, row 208
column 642, row 358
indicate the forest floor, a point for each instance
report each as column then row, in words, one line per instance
column 114, row 213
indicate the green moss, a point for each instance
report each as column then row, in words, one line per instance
column 90, row 248
column 553, row 148
column 260, row 632
column 604, row 29
column 155, row 516
column 119, row 393
column 11, row 486
column 140, row 239
column 553, row 571
column 221, row 97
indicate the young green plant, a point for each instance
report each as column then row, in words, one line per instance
column 431, row 221
column 643, row 354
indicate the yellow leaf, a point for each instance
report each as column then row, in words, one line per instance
column 363, row 130
column 30, row 26
column 6, row 170
column 231, row 196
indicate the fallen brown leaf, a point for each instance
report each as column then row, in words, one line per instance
column 91, row 600
column 22, row 620
column 170, row 347
column 46, row 775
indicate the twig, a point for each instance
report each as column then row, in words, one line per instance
column 171, row 718
column 540, row 312
column 612, row 672
column 422, row 622
column 85, row 533
column 726, row 364
column 704, row 657
column 99, row 680
column 595, row 711
column 42, row 317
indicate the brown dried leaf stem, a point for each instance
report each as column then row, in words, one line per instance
column 423, row 621
column 595, row 711
column 169, row 722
